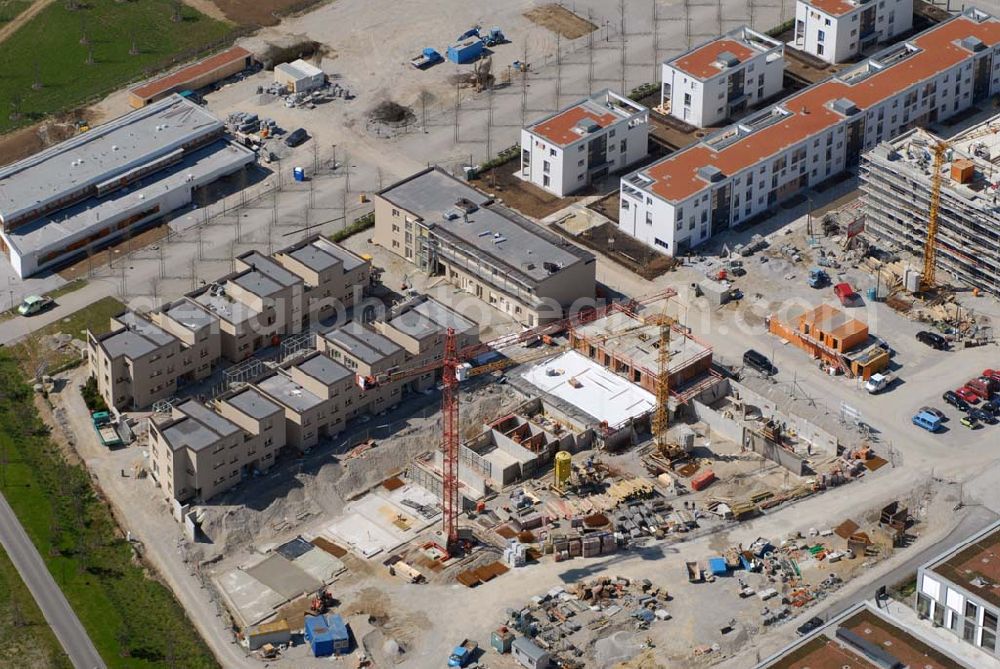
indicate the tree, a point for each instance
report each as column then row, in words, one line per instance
column 15, row 107
column 177, row 17
column 37, row 83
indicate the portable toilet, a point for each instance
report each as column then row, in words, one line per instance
column 299, row 173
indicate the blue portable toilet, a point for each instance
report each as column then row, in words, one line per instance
column 717, row 565
column 299, row 173
column 466, row 50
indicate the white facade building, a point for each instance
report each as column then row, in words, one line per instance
column 743, row 171
column 594, row 137
column 299, row 76
column 838, row 30
column 722, row 78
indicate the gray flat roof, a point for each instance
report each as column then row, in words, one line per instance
column 362, row 343
column 139, row 337
column 200, row 428
column 429, row 317
column 223, row 306
column 104, row 152
column 269, row 268
column 323, row 369
column 78, row 221
column 321, row 254
column 251, row 402
column 189, row 314
column 283, row 390
column 509, row 240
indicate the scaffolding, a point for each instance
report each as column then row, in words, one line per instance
column 897, row 180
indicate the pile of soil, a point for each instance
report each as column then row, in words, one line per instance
column 392, row 113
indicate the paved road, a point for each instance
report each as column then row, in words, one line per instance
column 43, row 588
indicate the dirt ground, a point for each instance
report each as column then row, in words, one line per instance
column 260, row 12
column 626, row 251
column 524, row 197
column 24, row 142
column 560, row 20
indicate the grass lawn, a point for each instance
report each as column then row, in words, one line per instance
column 50, row 42
column 36, row 349
column 9, row 9
column 134, row 621
column 25, row 638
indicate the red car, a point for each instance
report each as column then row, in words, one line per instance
column 992, row 374
column 845, row 293
column 968, row 394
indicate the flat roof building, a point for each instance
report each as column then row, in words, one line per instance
column 863, row 637
column 958, row 591
column 722, row 78
column 199, row 452
column 299, row 76
column 445, row 226
column 92, row 189
column 565, row 152
column 741, row 172
column 839, row 30
column 896, row 179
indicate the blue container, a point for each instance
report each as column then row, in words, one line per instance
column 717, row 566
column 465, row 51
column 299, row 173
column 872, row 294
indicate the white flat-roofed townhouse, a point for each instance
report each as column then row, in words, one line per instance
column 722, row 78
column 742, row 171
column 601, row 134
column 839, row 30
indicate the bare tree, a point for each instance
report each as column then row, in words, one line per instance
column 133, row 49
column 15, row 107
column 37, row 83
column 84, row 37
column 90, row 55
column 176, row 17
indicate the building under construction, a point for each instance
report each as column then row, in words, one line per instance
column 897, row 179
column 626, row 342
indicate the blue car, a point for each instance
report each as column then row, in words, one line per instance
column 928, row 421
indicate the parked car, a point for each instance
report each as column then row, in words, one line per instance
column 760, row 362
column 34, row 304
column 993, row 374
column 985, row 416
column 968, row 394
column 928, row 421
column 934, row 412
column 845, row 293
column 933, row 340
column 951, row 398
column 809, row 625
column 296, row 137
column 970, row 422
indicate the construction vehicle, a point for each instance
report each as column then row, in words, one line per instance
column 494, row 37
column 818, row 277
column 426, row 59
column 462, row 654
column 106, row 429
column 450, row 364
column 321, row 602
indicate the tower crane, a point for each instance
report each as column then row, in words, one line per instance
column 455, row 369
column 927, row 279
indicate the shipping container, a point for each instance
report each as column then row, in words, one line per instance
column 703, row 480
column 465, row 51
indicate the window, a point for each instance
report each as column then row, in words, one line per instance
column 625, row 204
column 612, row 133
column 660, row 242
column 687, row 99
column 649, row 218
column 827, row 21
column 821, row 35
column 623, row 145
column 546, row 166
column 552, row 152
column 546, row 181
column 819, row 49
column 395, row 212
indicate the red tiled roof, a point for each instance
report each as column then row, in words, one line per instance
column 699, row 63
column 186, row 74
column 559, row 128
column 833, row 7
column 675, row 177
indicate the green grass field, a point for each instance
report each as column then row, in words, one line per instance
column 25, row 638
column 134, row 621
column 50, row 44
column 9, row 9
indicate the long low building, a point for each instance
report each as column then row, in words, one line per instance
column 191, row 77
column 896, row 178
column 93, row 189
column 445, row 226
column 741, row 172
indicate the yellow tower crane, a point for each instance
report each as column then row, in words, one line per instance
column 927, row 279
column 661, row 413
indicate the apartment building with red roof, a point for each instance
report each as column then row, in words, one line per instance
column 565, row 152
column 741, row 172
column 722, row 78
column 839, row 30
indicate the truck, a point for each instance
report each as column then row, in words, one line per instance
column 426, row 59
column 818, row 277
column 461, row 655
column 106, row 429
column 878, row 382
column 845, row 293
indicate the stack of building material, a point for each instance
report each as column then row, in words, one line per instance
column 515, row 554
